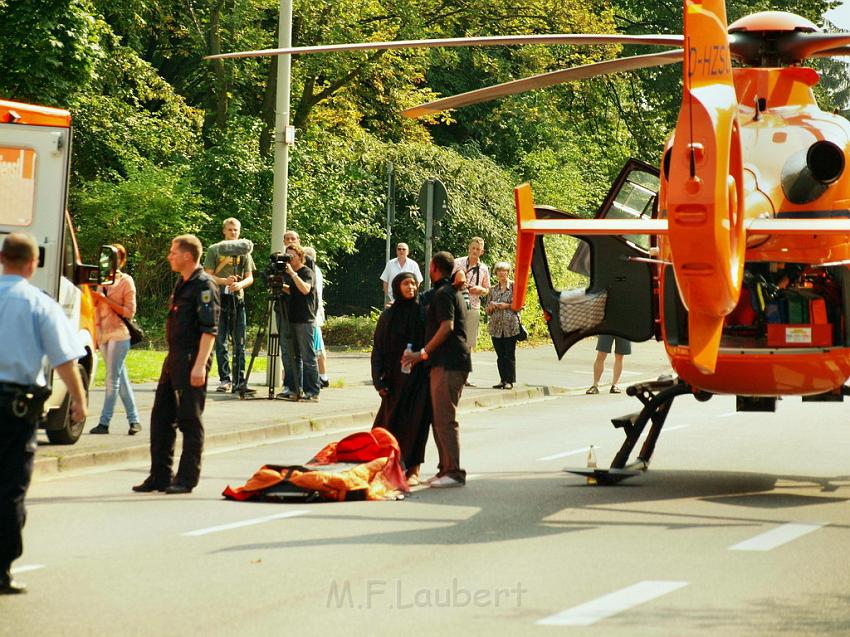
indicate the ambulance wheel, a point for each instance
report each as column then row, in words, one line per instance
column 60, row 429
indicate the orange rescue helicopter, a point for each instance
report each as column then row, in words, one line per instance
column 735, row 252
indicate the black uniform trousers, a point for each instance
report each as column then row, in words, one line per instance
column 177, row 409
column 17, row 451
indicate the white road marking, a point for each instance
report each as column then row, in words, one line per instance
column 729, row 413
column 564, row 454
column 776, row 537
column 576, row 452
column 237, row 525
column 612, row 603
column 27, row 567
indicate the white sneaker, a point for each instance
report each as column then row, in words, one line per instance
column 225, row 386
column 430, row 480
column 445, row 482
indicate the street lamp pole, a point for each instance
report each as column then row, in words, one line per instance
column 284, row 135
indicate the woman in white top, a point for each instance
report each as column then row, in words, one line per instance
column 118, row 301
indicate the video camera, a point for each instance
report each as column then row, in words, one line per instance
column 275, row 271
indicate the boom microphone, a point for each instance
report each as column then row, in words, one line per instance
column 234, row 247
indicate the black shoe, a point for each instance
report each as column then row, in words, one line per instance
column 325, row 383
column 134, row 429
column 177, row 488
column 8, row 586
column 148, row 486
column 100, row 429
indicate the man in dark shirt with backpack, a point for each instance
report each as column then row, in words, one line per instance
column 447, row 353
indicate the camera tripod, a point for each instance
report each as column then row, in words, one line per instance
column 269, row 335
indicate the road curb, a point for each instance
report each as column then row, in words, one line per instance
column 50, row 466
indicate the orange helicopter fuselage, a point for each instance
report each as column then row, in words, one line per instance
column 779, row 121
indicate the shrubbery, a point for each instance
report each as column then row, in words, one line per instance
column 350, row 331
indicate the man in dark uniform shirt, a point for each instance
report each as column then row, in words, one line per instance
column 191, row 329
column 301, row 305
column 447, row 353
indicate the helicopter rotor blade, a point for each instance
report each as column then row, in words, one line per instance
column 497, row 40
column 828, row 53
column 546, row 79
column 798, row 46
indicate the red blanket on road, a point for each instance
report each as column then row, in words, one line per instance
column 362, row 466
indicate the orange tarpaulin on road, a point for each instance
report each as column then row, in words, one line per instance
column 362, row 466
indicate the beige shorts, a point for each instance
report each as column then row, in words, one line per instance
column 473, row 317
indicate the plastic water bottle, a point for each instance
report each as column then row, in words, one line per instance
column 591, row 457
column 405, row 369
column 591, row 464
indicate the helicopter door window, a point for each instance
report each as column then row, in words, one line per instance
column 569, row 262
column 635, row 200
column 17, row 183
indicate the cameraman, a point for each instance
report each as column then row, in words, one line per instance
column 301, row 304
column 232, row 273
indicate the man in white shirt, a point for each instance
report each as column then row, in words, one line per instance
column 396, row 266
column 477, row 285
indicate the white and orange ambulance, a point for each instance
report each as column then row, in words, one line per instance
column 35, row 153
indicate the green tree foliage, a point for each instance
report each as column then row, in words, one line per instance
column 143, row 211
column 49, row 49
column 236, row 181
column 128, row 116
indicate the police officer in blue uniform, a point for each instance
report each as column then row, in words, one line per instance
column 191, row 329
column 33, row 326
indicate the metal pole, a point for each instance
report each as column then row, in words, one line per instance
column 282, row 134
column 429, row 231
column 390, row 206
column 283, row 137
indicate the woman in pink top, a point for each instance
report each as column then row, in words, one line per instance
column 119, row 300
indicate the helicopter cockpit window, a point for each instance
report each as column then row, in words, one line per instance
column 635, row 200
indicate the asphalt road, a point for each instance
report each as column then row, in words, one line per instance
column 739, row 528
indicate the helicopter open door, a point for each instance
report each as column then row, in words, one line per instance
column 600, row 288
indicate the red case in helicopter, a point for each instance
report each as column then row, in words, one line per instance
column 799, row 335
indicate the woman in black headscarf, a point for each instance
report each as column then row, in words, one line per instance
column 405, row 404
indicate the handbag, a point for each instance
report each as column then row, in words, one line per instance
column 523, row 333
column 137, row 334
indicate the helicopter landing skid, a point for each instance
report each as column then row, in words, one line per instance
column 657, row 397
column 604, row 477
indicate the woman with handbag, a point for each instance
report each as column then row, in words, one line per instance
column 504, row 325
column 114, row 306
